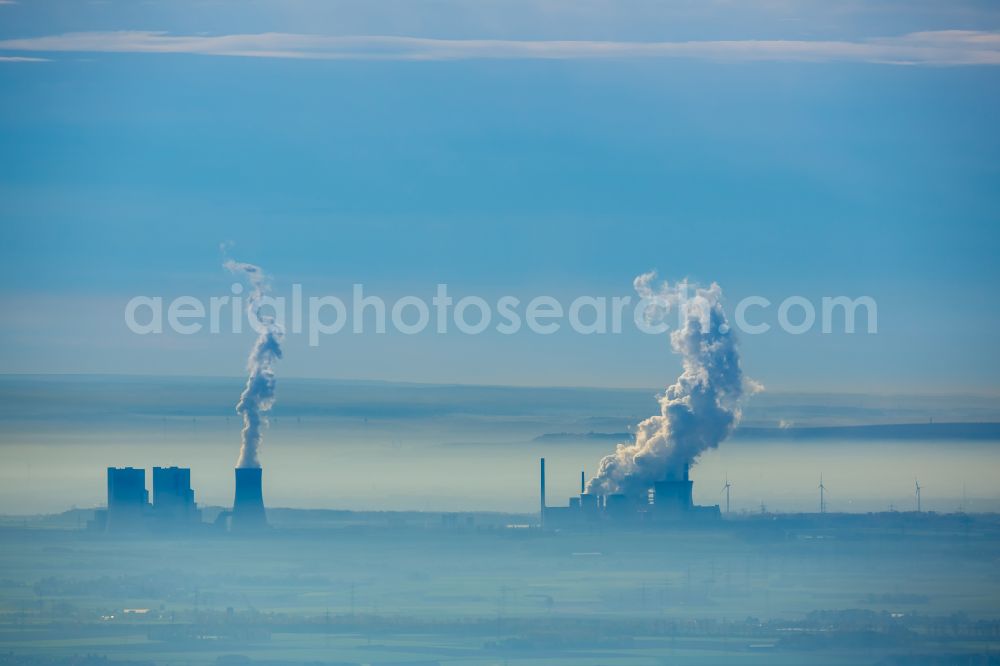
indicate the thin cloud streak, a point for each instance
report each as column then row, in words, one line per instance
column 942, row 47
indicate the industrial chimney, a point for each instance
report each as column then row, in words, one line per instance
column 248, row 504
column 541, row 513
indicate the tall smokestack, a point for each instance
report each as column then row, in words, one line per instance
column 541, row 512
column 583, row 481
column 248, row 503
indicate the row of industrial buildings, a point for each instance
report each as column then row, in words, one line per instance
column 173, row 506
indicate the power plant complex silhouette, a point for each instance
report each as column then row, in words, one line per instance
column 645, row 480
column 173, row 506
column 666, row 501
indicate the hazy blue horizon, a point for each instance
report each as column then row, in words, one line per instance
column 391, row 446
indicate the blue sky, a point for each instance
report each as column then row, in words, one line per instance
column 810, row 163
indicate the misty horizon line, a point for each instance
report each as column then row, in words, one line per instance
column 769, row 392
column 741, row 513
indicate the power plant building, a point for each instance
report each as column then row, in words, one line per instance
column 128, row 499
column 669, row 501
column 673, row 494
column 173, row 498
column 129, row 508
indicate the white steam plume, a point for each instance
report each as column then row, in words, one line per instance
column 258, row 395
column 699, row 410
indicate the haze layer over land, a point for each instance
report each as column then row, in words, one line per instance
column 372, row 445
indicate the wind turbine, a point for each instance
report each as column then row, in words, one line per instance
column 726, row 489
column 916, row 484
column 822, row 498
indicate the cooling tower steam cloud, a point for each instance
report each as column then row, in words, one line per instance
column 258, row 395
column 699, row 410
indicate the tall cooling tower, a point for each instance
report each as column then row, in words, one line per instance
column 674, row 494
column 248, row 504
